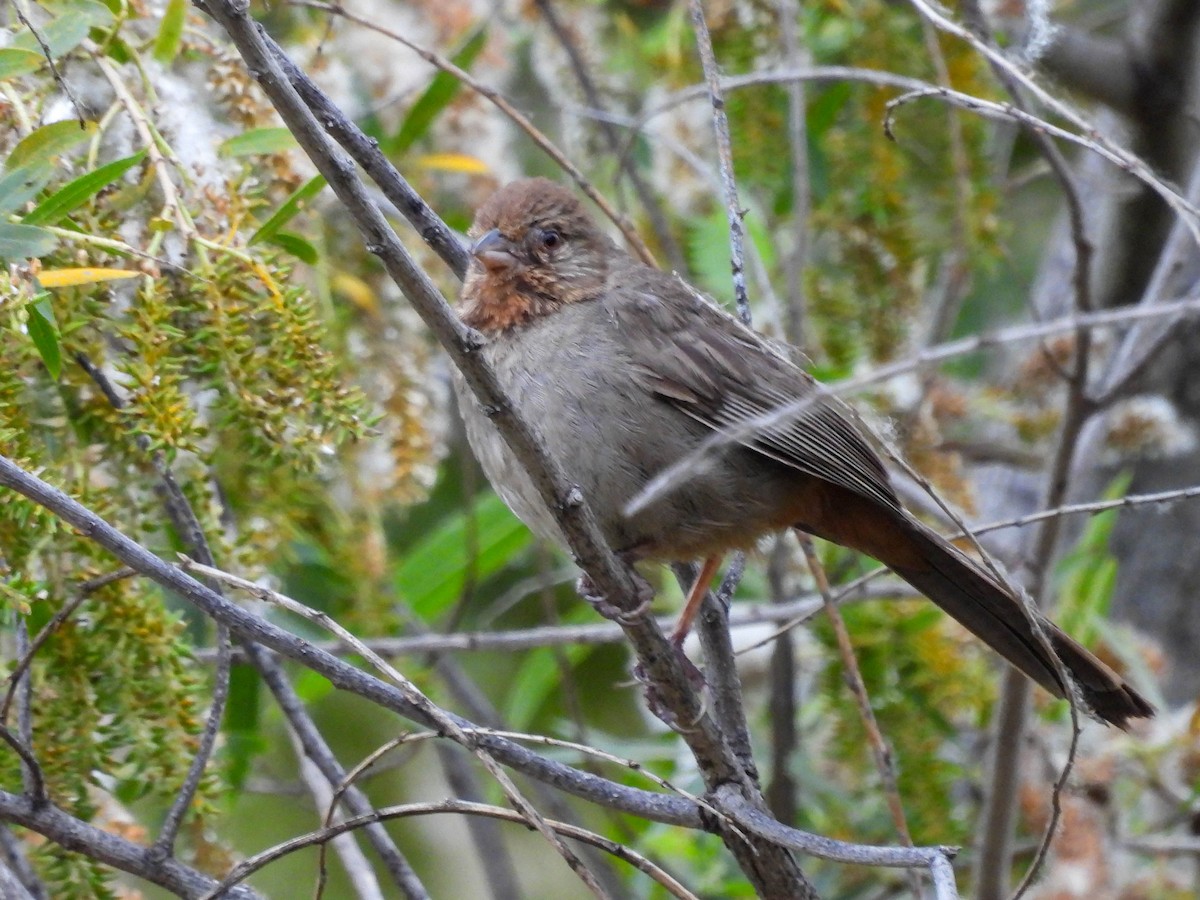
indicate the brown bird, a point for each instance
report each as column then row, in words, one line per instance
column 624, row 371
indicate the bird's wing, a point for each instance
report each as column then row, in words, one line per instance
column 705, row 363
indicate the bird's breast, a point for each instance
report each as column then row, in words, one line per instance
column 569, row 376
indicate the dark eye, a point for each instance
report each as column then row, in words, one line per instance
column 550, row 238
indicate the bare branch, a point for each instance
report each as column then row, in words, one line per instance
column 73, row 834
column 253, row 864
column 518, row 118
column 882, row 754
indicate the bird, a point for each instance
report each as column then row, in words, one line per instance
column 624, row 370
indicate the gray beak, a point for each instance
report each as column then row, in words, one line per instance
column 494, row 251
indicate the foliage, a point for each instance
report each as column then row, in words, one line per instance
column 180, row 291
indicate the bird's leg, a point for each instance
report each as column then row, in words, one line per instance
column 695, row 597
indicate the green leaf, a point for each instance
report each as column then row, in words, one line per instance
column 432, row 576
column 708, row 250
column 170, row 33
column 258, row 141
column 19, row 242
column 441, row 91
column 311, row 687
column 64, row 33
column 288, row 209
column 537, row 679
column 1087, row 574
column 73, row 194
column 15, row 61
column 44, row 332
column 297, row 246
column 242, row 724
column 48, row 142
column 21, row 185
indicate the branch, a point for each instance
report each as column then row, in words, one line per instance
column 441, row 720
column 733, row 207
column 72, row 834
column 613, row 579
column 253, row 630
column 248, row 867
column 515, row 115
column 744, row 615
column 658, row 217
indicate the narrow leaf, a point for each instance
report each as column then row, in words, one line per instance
column 432, row 575
column 67, row 30
column 257, row 141
column 48, row 142
column 288, row 209
column 15, row 61
column 453, row 162
column 170, row 33
column 77, row 192
column 19, row 242
column 53, row 278
column 21, row 185
column 441, row 91
column 45, row 336
column 297, row 246
column 243, row 724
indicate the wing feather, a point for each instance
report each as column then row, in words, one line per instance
column 720, row 373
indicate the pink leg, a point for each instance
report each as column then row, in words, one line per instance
column 694, row 598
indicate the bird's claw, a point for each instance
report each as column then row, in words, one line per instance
column 645, row 597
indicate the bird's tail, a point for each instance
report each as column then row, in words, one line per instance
column 991, row 611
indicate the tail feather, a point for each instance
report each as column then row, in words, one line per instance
column 991, row 611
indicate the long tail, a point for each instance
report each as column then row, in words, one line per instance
column 990, row 610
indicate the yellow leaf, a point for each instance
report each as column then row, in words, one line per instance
column 52, row 278
column 356, row 291
column 453, row 162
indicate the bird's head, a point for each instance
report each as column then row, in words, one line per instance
column 535, row 250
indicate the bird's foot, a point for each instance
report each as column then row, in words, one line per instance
column 654, row 699
column 599, row 602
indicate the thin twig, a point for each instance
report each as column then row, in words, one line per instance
column 249, row 866
column 417, row 698
column 743, row 615
column 654, row 209
column 18, row 8
column 82, row 591
column 110, row 849
column 796, row 314
column 884, row 762
column 543, row 740
column 34, row 781
column 518, row 118
column 733, row 208
column 1095, row 141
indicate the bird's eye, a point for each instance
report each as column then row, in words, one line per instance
column 550, row 238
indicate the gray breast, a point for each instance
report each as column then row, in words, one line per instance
column 567, row 375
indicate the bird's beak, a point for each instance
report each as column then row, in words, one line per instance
column 494, row 251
